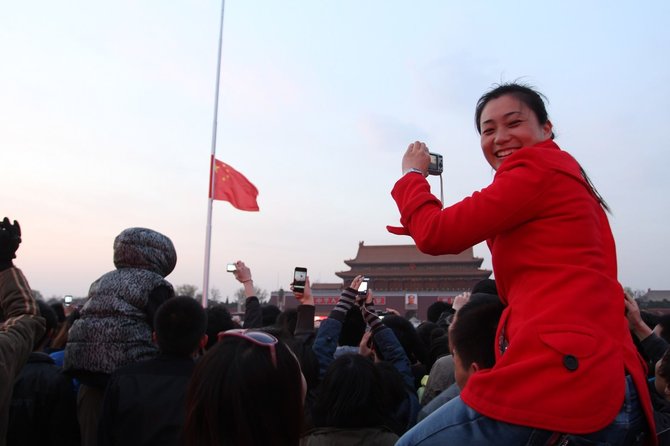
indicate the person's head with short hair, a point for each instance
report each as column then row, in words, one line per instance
column 180, row 324
column 353, row 328
column 218, row 319
column 351, row 395
column 59, row 309
column 51, row 321
column 487, row 286
column 425, row 330
column 472, row 335
column 60, row 338
column 246, row 392
column 436, row 309
column 287, row 320
column 270, row 313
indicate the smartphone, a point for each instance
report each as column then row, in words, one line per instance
column 231, row 268
column 363, row 287
column 299, row 278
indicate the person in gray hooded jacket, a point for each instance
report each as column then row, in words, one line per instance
column 115, row 328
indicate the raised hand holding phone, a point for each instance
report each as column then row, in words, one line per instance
column 363, row 291
column 304, row 297
column 299, row 279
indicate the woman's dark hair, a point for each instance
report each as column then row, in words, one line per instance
column 408, row 338
column 524, row 93
column 351, row 395
column 535, row 101
column 237, row 396
column 395, row 394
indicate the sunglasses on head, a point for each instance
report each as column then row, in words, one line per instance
column 255, row 337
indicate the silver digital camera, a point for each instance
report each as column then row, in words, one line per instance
column 435, row 166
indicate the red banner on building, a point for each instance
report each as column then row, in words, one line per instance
column 333, row 300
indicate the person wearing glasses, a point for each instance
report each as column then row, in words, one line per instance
column 247, row 389
column 566, row 366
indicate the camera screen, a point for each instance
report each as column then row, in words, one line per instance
column 363, row 287
column 300, row 276
column 231, row 267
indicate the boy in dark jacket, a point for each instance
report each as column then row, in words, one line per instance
column 145, row 402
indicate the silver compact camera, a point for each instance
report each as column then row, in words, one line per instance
column 435, row 166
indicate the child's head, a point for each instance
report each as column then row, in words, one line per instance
column 145, row 249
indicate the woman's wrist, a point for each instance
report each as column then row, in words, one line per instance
column 412, row 170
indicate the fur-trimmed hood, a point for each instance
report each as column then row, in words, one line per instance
column 145, row 249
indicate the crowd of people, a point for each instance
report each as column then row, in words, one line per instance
column 550, row 353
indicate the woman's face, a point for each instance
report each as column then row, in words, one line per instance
column 507, row 124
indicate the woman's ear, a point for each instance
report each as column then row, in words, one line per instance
column 548, row 129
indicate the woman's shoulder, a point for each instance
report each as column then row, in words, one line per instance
column 545, row 156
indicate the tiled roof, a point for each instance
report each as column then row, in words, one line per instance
column 656, row 296
column 405, row 254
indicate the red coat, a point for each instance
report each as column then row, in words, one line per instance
column 554, row 260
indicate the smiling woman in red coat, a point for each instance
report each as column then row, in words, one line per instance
column 565, row 365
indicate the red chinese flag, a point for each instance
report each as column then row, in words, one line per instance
column 232, row 186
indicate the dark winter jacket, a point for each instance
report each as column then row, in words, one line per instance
column 145, row 403
column 116, row 322
column 18, row 333
column 43, row 409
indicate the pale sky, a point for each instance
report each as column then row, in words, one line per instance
column 106, row 123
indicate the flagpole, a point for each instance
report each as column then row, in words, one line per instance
column 208, row 237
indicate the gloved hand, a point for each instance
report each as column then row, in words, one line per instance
column 10, row 238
